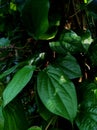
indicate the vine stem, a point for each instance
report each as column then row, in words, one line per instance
column 49, row 123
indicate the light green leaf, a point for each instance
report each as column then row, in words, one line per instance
column 19, row 81
column 35, row 128
column 59, row 93
column 69, row 66
column 86, row 39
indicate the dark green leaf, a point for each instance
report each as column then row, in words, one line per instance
column 7, row 72
column 57, row 47
column 69, row 41
column 87, row 119
column 19, row 81
column 35, row 17
column 1, row 119
column 14, row 116
column 69, row 66
column 43, row 111
column 57, row 93
column 93, row 53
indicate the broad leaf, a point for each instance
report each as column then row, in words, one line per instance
column 43, row 111
column 14, row 116
column 87, row 119
column 69, row 41
column 86, row 39
column 57, row 47
column 57, row 93
column 19, row 81
column 35, row 17
column 69, row 66
column 87, row 116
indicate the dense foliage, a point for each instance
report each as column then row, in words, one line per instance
column 48, row 65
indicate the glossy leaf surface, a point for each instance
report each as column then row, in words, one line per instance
column 59, row 93
column 69, row 66
column 19, row 81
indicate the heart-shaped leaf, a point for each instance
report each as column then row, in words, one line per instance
column 57, row 93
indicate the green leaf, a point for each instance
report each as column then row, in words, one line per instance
column 19, row 81
column 69, row 41
column 1, row 119
column 93, row 53
column 7, row 72
column 57, row 47
column 87, row 116
column 86, row 39
column 35, row 17
column 43, row 111
column 69, row 66
column 57, row 93
column 14, row 116
column 87, row 119
column 35, row 128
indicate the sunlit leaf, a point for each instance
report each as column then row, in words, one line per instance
column 19, row 81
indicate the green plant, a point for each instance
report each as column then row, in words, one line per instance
column 48, row 75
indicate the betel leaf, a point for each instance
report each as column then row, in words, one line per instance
column 57, row 47
column 69, row 66
column 19, row 81
column 35, row 17
column 57, row 93
column 43, row 111
column 87, row 116
column 87, row 119
column 14, row 116
column 69, row 41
